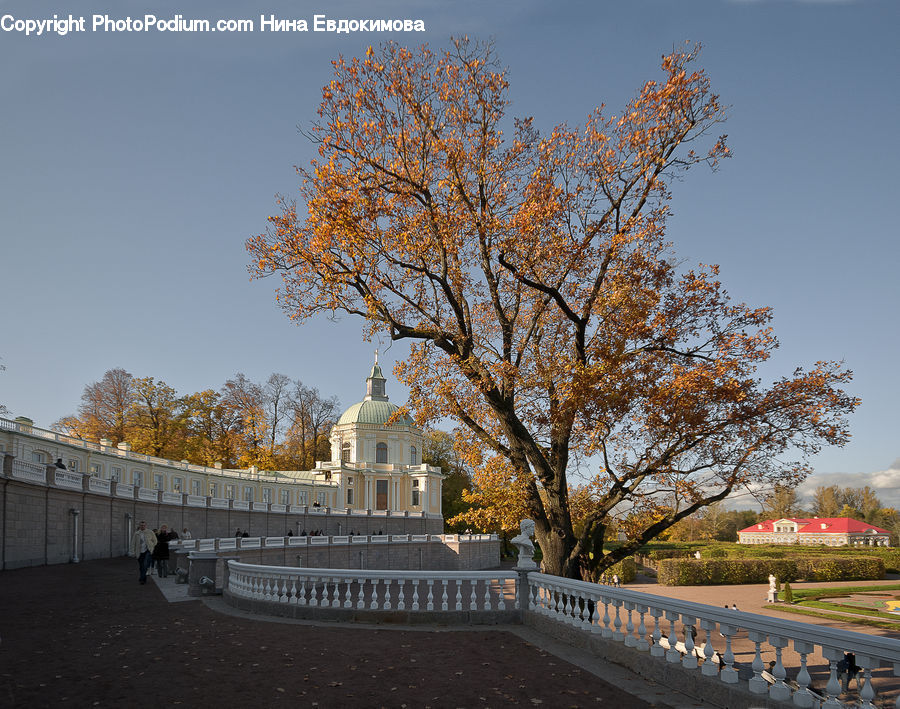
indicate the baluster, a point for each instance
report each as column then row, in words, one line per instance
column 501, row 591
column 429, row 603
column 779, row 691
column 302, row 600
column 689, row 661
column 710, row 669
column 487, row 594
column 867, row 691
column 401, row 598
column 473, row 598
column 672, row 654
column 596, row 622
column 415, row 589
column 313, row 591
column 728, row 674
column 374, row 603
column 444, row 605
column 325, row 601
column 607, row 630
column 757, row 684
column 657, row 650
column 571, row 609
column 283, row 598
column 642, row 642
column 293, row 593
column 458, row 595
column 630, row 639
column 617, row 622
column 336, row 596
column 587, row 613
column 348, row 603
column 833, row 688
column 387, row 595
column 803, row 697
column 361, row 593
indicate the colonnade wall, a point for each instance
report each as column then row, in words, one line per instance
column 42, row 522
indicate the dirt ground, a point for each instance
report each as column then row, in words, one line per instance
column 88, row 635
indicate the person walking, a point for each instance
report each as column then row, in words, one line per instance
column 143, row 542
column 161, row 551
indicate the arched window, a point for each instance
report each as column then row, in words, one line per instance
column 381, row 453
column 345, row 453
column 413, row 456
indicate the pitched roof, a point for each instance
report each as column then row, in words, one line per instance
column 832, row 525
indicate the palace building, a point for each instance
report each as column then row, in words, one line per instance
column 376, row 464
column 831, row 531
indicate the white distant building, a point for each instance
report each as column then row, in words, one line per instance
column 376, row 456
column 831, row 531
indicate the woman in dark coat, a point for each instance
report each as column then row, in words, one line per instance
column 161, row 551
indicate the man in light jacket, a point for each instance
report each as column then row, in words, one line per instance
column 142, row 543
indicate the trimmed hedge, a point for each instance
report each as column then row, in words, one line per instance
column 626, row 570
column 656, row 551
column 840, row 568
column 713, row 572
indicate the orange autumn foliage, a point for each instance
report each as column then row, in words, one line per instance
column 545, row 311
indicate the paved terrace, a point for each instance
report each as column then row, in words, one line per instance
column 89, row 635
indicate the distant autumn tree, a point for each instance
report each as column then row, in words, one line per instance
column 544, row 310
column 782, row 501
column 105, row 410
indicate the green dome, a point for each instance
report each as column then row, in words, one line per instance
column 373, row 412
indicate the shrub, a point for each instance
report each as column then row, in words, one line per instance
column 625, row 569
column 788, row 593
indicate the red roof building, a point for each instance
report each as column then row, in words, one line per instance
column 831, row 531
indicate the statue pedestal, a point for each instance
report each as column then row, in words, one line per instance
column 772, row 596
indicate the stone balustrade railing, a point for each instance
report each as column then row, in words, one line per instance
column 667, row 629
column 235, row 543
column 44, row 474
column 347, row 593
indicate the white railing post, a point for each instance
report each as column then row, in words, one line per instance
column 689, row 661
column 709, row 668
column 833, row 688
column 728, row 674
column 867, row 691
column 672, row 654
column 757, row 684
column 779, row 691
column 657, row 650
column 803, row 697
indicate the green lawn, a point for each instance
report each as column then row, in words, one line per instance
column 808, row 602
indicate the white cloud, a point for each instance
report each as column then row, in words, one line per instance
column 886, row 483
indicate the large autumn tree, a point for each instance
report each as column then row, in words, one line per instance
column 543, row 308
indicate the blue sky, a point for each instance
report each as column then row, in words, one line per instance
column 135, row 165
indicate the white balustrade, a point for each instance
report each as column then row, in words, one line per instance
column 373, row 589
column 592, row 608
column 99, row 486
column 32, row 472
column 73, row 481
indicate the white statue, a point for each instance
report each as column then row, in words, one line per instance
column 772, row 582
column 525, row 546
